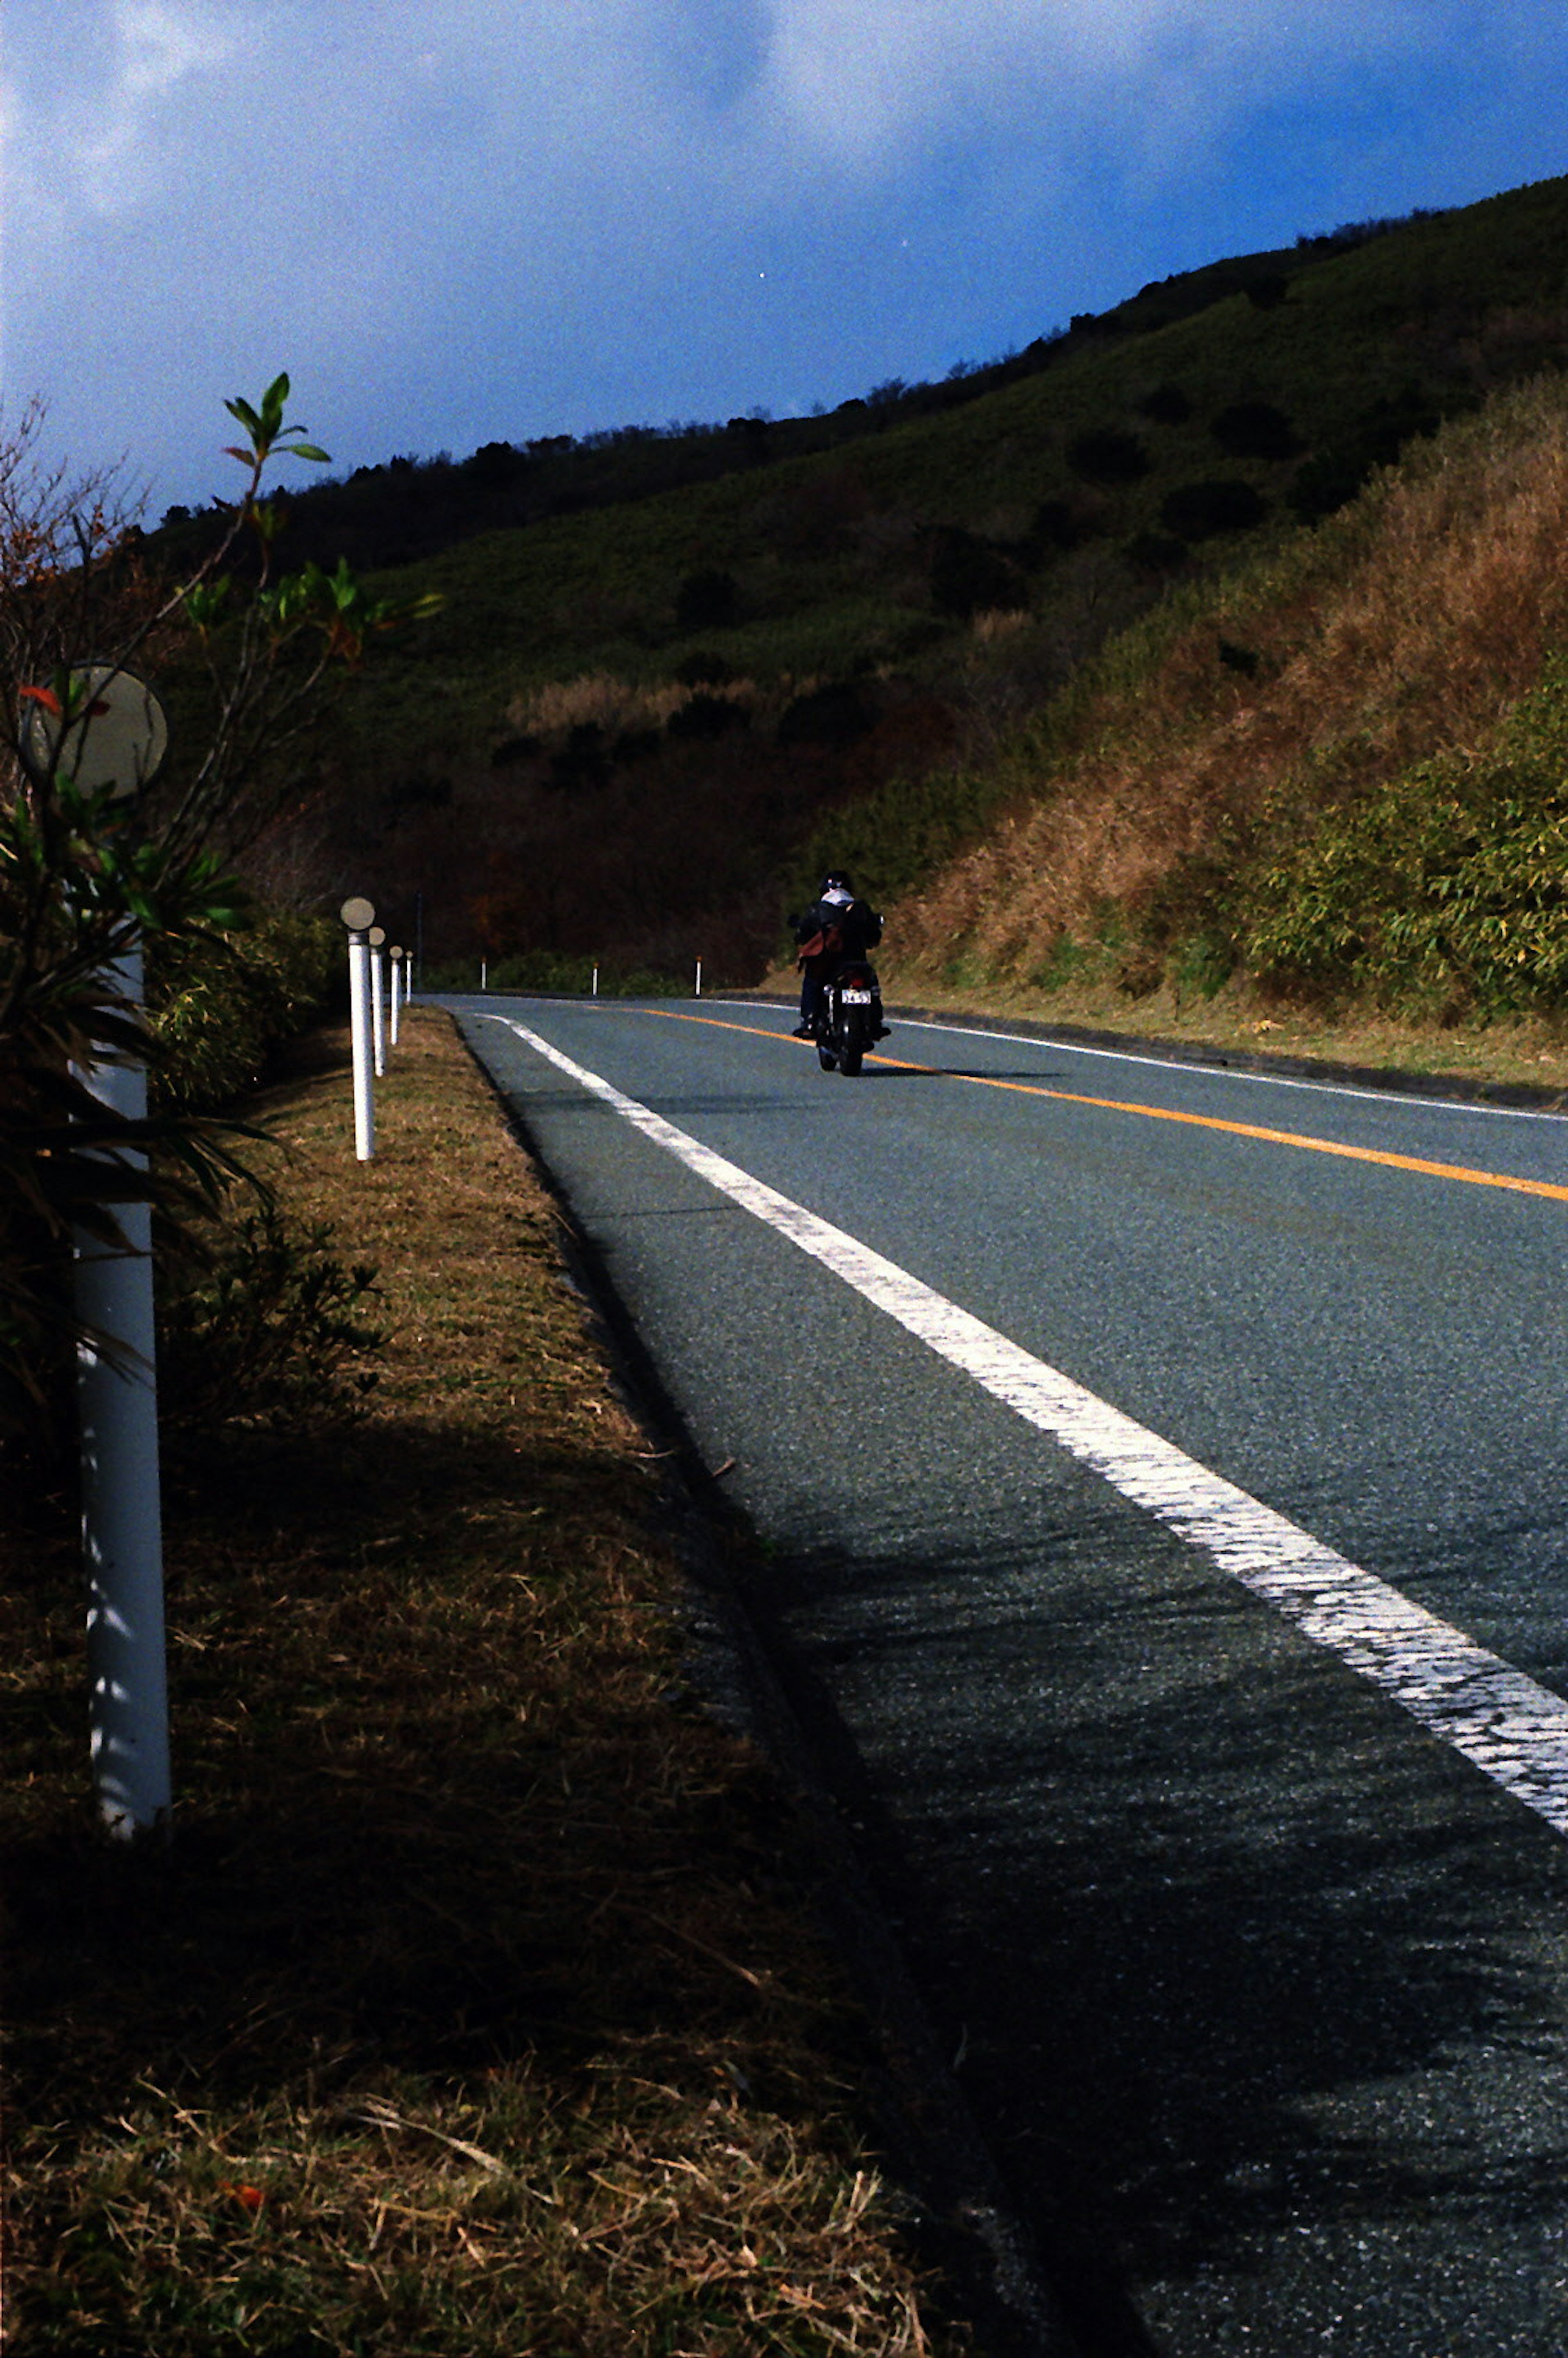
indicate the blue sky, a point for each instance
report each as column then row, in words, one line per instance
column 459, row 221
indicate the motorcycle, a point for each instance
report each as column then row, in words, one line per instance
column 849, row 1018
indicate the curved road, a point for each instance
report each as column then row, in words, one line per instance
column 1160, row 1474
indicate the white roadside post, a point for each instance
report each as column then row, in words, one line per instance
column 697, row 993
column 122, row 1505
column 396, row 954
column 359, row 915
column 376, row 938
column 118, row 741
column 484, row 974
column 595, row 992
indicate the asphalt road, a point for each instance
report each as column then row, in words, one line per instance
column 1253, row 1963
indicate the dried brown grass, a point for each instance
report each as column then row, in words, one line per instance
column 473, row 2010
column 1403, row 628
column 616, row 706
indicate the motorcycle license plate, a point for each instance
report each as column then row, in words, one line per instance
column 856, row 997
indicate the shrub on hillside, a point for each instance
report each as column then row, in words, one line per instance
column 704, row 717
column 1166, row 405
column 1254, row 430
column 834, row 714
column 1155, row 552
column 1061, row 523
column 707, row 599
column 1202, row 510
column 1331, row 477
column 582, row 764
column 1107, row 454
column 1445, row 890
column 704, row 670
column 970, row 576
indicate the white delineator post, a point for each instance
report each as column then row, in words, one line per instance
column 696, row 992
column 595, row 991
column 122, row 1521
column 113, row 736
column 396, row 954
column 359, row 915
column 377, row 937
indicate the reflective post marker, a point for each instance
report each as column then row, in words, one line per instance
column 697, row 991
column 396, row 954
column 377, row 937
column 359, row 915
column 122, row 1521
column 113, row 735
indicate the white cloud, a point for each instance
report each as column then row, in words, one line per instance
column 860, row 79
column 91, row 141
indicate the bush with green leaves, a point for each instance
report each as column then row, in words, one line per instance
column 1445, row 891
column 218, row 1005
column 90, row 876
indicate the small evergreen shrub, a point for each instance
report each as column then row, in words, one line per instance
column 707, row 599
column 1155, row 552
column 1203, row 510
column 705, row 716
column 1166, row 405
column 1107, row 454
column 218, row 1004
column 834, row 714
column 970, row 576
column 1254, row 430
column 1445, row 890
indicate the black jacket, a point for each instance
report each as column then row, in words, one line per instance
column 857, row 926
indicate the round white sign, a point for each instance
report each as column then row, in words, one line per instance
column 118, row 737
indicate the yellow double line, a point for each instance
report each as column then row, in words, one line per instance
column 1454, row 1170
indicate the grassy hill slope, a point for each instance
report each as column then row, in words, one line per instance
column 630, row 721
column 1337, row 775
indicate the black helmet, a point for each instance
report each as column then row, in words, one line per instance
column 839, row 876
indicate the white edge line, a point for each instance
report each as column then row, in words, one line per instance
column 1510, row 1727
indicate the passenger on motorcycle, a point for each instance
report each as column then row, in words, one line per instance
column 835, row 928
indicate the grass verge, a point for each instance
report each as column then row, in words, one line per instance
column 473, row 2008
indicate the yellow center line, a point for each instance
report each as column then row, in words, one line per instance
column 1456, row 1171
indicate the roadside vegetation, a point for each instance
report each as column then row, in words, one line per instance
column 474, row 2006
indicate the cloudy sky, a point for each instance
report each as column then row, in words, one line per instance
column 459, row 221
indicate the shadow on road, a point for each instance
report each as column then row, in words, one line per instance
column 1242, row 1970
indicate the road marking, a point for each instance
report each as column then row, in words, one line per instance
column 1429, row 1170
column 1221, row 1072
column 1513, row 1729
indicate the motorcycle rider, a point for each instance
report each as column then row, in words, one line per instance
column 837, row 928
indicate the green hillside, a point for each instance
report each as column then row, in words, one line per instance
column 630, row 720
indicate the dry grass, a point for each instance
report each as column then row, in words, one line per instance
column 470, row 2010
column 600, row 700
column 1403, row 628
